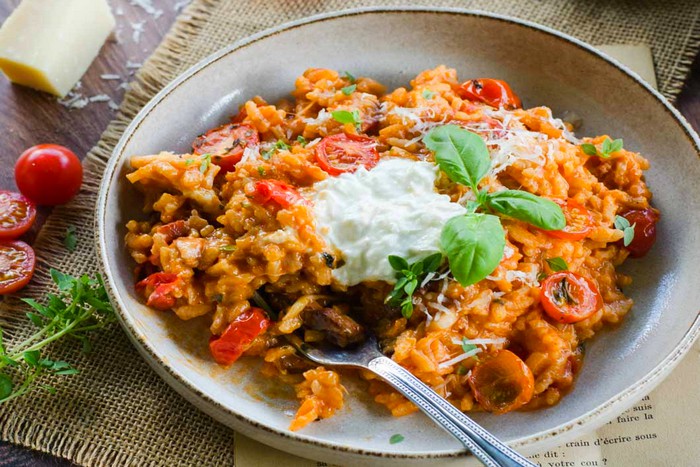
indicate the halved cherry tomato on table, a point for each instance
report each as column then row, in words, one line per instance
column 344, row 153
column 644, row 221
column 502, row 383
column 17, row 214
column 16, row 265
column 493, row 92
column 238, row 336
column 159, row 288
column 49, row 174
column 568, row 297
column 579, row 221
column 226, row 144
column 277, row 192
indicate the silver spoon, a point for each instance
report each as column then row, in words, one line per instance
column 490, row 451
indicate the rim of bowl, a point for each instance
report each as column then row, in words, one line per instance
column 591, row 419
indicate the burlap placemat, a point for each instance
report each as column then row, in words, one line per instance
column 117, row 411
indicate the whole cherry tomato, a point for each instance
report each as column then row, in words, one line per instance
column 49, row 174
column 568, row 297
column 493, row 92
column 644, row 221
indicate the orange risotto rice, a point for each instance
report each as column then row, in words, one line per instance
column 231, row 228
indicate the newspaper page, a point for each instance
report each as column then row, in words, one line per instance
column 661, row 430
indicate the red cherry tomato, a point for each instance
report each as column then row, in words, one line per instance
column 343, row 153
column 644, row 221
column 579, row 221
column 493, row 92
column 159, row 288
column 275, row 191
column 16, row 265
column 237, row 337
column 49, row 174
column 502, row 383
column 17, row 214
column 226, row 144
column 568, row 297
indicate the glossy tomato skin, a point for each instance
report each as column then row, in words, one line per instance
column 502, row 383
column 238, row 336
column 17, row 214
column 579, row 221
column 568, row 297
column 345, row 153
column 226, row 144
column 16, row 265
column 494, row 92
column 159, row 287
column 644, row 221
column 49, row 174
column 277, row 192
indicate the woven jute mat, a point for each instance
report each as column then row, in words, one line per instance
column 117, row 411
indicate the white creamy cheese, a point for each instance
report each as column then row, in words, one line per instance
column 392, row 209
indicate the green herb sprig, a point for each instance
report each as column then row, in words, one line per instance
column 408, row 277
column 206, row 162
column 278, row 146
column 345, row 116
column 623, row 224
column 397, row 438
column 474, row 242
column 347, row 90
column 606, row 149
column 70, row 241
column 557, row 264
column 81, row 307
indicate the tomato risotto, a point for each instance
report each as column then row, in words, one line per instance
column 476, row 239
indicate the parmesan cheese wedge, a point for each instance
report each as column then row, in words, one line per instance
column 48, row 45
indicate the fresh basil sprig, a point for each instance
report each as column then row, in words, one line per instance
column 557, row 264
column 606, row 149
column 623, row 224
column 345, row 116
column 408, row 277
column 474, row 242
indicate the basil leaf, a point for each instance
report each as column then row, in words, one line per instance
column 474, row 245
column 616, row 145
column 347, row 90
column 621, row 223
column 628, row 235
column 461, row 154
column 345, row 116
column 524, row 206
column 467, row 346
column 397, row 438
column 606, row 147
column 557, row 264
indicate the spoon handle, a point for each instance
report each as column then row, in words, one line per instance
column 490, row 451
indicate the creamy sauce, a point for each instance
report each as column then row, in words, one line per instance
column 392, row 209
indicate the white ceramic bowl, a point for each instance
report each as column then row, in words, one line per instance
column 392, row 45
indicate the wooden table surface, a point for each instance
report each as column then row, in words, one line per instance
column 29, row 117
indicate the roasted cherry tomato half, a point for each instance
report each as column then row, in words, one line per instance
column 493, row 92
column 644, row 221
column 275, row 191
column 16, row 265
column 159, row 288
column 568, row 297
column 17, row 215
column 579, row 221
column 49, row 174
column 344, row 153
column 502, row 383
column 226, row 144
column 238, row 336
